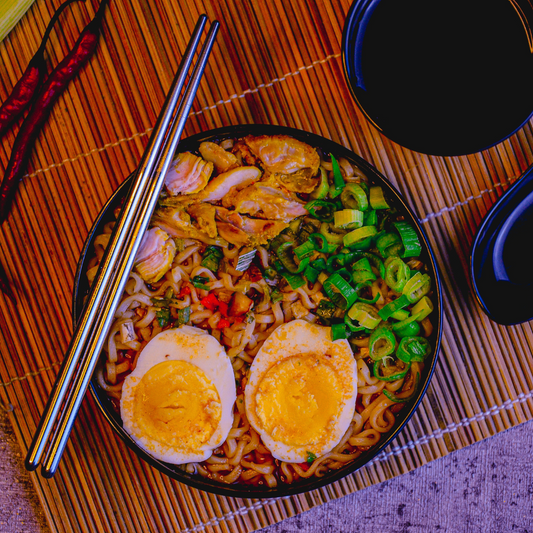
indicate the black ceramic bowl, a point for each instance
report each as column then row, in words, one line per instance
column 442, row 77
column 500, row 262
column 104, row 402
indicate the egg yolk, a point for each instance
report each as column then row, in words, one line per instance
column 298, row 400
column 177, row 405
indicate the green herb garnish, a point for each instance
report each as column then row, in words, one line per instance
column 310, row 457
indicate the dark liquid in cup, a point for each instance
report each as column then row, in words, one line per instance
column 440, row 77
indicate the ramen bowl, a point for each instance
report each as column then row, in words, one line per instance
column 107, row 404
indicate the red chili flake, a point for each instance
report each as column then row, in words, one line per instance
column 304, row 466
column 223, row 308
column 210, row 302
column 184, row 291
column 223, row 323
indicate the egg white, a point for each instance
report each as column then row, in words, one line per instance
column 202, row 350
column 290, row 340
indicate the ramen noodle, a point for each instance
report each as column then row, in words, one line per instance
column 313, row 221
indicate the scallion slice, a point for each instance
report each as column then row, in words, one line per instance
column 396, row 274
column 371, row 218
column 338, row 331
column 377, row 200
column 389, row 244
column 354, row 197
column 410, row 329
column 359, row 234
column 338, row 180
column 304, row 250
column 331, row 236
column 321, row 243
column 321, row 210
column 418, row 286
column 422, row 308
column 339, row 291
column 413, row 349
column 382, row 342
column 388, row 310
column 390, row 369
column 365, row 314
column 409, row 238
column 311, row 274
column 348, row 219
column 321, row 191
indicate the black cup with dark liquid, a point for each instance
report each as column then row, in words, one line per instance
column 441, row 77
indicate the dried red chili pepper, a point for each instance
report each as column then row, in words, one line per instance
column 31, row 79
column 53, row 87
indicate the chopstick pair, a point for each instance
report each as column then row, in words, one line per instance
column 87, row 342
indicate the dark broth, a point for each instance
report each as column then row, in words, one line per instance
column 442, row 76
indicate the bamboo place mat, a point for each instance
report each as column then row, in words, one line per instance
column 275, row 62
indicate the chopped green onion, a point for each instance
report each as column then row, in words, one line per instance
column 371, row 218
column 382, row 342
column 366, row 314
column 338, row 180
column 418, row 286
column 304, row 250
column 348, row 219
column 211, row 258
column 276, row 296
column 338, row 331
column 422, row 308
column 359, row 234
column 318, row 264
column 398, row 326
column 401, row 314
column 410, row 329
column 396, row 274
column 413, row 349
column 326, row 310
column 331, row 236
column 340, row 291
column 321, row 210
column 354, row 197
column 362, row 271
column 163, row 316
column 322, row 189
column 270, row 273
column 402, row 399
column 354, row 328
column 409, row 238
column 294, row 280
column 387, row 371
column 323, row 246
column 388, row 310
column 389, row 244
column 200, row 282
column 285, row 252
column 310, row 457
column 364, row 244
column 311, row 273
column 184, row 315
column 377, row 200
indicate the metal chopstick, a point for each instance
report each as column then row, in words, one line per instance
column 128, row 225
column 61, row 433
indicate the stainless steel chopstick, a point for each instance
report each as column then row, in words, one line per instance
column 116, row 253
column 62, row 431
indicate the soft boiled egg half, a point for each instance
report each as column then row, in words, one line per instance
column 178, row 402
column 301, row 392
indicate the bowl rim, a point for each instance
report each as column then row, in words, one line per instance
column 356, row 15
column 104, row 403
